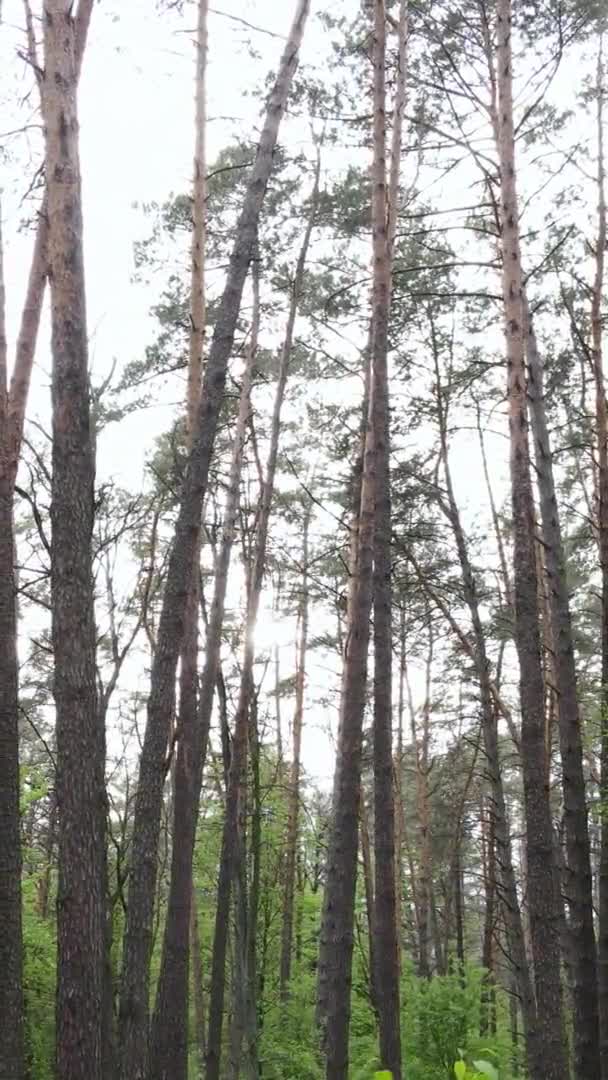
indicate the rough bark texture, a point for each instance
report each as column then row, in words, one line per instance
column 32, row 306
column 579, row 883
column 542, row 899
column 293, row 813
column 13, row 403
column 79, row 730
column 229, row 859
column 337, row 920
column 601, row 434
column 169, row 1034
column 385, row 910
column 133, row 1014
column 12, row 1061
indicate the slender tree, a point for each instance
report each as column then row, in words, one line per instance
column 601, row 437
column 80, row 735
column 337, row 924
column 133, row 1013
column 229, row 859
column 13, row 403
column 579, row 884
column 12, row 1060
column 169, row 1035
column 542, row 899
column 384, row 227
column 293, row 812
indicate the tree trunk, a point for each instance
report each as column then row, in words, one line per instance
column 12, row 1058
column 601, row 424
column 544, row 915
column 385, row 906
column 293, row 812
column 488, row 1000
column 80, row 785
column 13, row 403
column 252, row 1024
column 229, row 861
column 190, row 765
column 169, row 1034
column 133, row 1016
column 579, row 887
column 368, row 886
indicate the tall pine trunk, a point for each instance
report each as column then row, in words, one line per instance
column 601, row 434
column 542, row 898
column 385, row 906
column 190, row 767
column 133, row 1015
column 12, row 1060
column 579, row 883
column 13, row 403
column 169, row 1035
column 80, row 735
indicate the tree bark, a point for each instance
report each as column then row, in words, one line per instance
column 133, row 1015
column 337, row 920
column 385, row 905
column 229, row 859
column 80, row 785
column 13, row 403
column 601, row 434
column 169, row 1035
column 12, row 1056
column 579, row 884
column 368, row 886
column 543, row 906
column 488, row 995
column 190, row 766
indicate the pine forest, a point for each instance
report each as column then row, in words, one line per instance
column 303, row 540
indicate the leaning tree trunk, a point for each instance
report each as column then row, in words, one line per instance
column 385, row 902
column 337, row 921
column 80, row 785
column 189, row 770
column 293, row 813
column 169, row 1035
column 542, row 899
column 579, row 892
column 229, row 858
column 133, row 1014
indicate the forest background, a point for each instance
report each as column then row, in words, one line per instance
column 463, row 733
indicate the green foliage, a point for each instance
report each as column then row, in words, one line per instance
column 479, row 1071
column 39, row 958
column 441, row 1024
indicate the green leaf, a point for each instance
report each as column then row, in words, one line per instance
column 460, row 1070
column 486, row 1069
column 384, row 1074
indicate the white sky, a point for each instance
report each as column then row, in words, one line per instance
column 136, row 111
